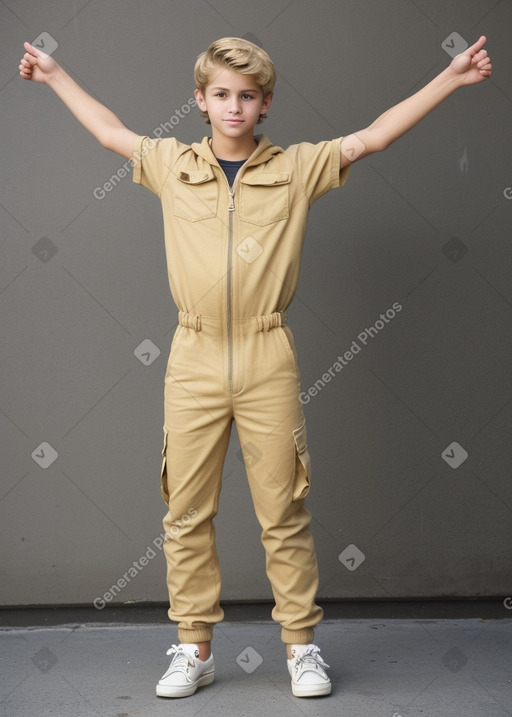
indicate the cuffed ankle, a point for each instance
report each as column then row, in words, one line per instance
column 200, row 634
column 297, row 637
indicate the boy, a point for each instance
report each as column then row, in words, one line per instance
column 235, row 209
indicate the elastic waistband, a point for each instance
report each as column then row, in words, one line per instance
column 197, row 322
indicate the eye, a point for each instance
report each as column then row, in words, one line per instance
column 220, row 94
column 246, row 96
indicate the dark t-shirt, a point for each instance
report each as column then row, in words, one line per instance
column 230, row 168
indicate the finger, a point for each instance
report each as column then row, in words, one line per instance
column 31, row 50
column 30, row 59
column 480, row 57
column 477, row 46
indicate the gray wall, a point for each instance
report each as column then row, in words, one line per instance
column 425, row 225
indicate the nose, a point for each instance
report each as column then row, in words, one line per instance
column 234, row 107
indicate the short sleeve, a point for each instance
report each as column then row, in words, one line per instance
column 152, row 160
column 318, row 166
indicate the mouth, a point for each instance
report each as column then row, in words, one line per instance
column 234, row 121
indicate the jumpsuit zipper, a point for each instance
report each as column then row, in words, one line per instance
column 231, row 209
column 229, row 280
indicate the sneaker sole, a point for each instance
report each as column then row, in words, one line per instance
column 185, row 690
column 311, row 690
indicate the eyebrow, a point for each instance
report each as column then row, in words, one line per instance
column 226, row 89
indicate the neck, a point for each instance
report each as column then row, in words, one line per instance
column 233, row 148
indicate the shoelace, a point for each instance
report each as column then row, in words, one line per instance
column 180, row 657
column 311, row 656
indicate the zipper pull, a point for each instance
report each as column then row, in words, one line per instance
column 231, row 207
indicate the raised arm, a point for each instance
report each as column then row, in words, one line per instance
column 98, row 119
column 469, row 68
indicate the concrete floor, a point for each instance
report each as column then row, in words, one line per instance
column 380, row 667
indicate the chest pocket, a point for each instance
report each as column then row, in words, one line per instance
column 264, row 198
column 195, row 196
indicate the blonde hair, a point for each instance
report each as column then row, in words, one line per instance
column 235, row 53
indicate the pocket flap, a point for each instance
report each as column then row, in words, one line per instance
column 300, row 437
column 195, row 177
column 163, row 473
column 302, row 464
column 266, row 179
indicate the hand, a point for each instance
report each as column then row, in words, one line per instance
column 473, row 65
column 35, row 66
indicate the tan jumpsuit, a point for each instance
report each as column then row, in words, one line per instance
column 233, row 260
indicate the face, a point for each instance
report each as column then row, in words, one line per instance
column 234, row 102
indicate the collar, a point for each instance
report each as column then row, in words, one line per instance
column 263, row 152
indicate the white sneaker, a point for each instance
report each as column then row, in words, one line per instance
column 306, row 669
column 186, row 672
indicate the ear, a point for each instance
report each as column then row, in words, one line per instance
column 200, row 100
column 267, row 101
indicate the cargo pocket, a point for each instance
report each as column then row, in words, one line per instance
column 302, row 464
column 264, row 198
column 163, row 473
column 195, row 196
